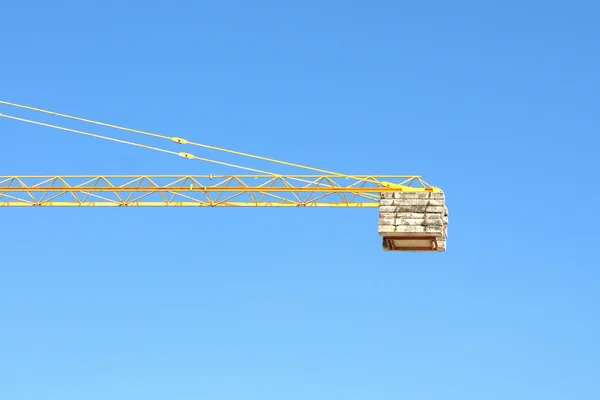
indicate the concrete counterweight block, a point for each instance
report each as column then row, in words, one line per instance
column 416, row 222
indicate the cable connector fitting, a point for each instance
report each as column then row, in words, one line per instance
column 179, row 140
column 187, row 155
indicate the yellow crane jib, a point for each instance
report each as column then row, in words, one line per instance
column 412, row 214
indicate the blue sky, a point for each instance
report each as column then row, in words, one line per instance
column 495, row 102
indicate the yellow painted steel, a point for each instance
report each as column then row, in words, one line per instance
column 172, row 139
column 201, row 191
column 187, row 204
column 143, row 146
column 269, row 189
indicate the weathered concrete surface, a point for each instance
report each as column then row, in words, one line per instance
column 441, row 244
column 419, row 229
column 408, row 215
column 419, row 222
column 412, row 222
column 411, row 209
column 387, row 228
column 413, row 215
column 406, row 196
column 399, row 231
column 409, row 234
column 411, row 202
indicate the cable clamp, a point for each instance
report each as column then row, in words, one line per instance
column 179, row 140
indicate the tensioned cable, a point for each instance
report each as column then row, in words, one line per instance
column 88, row 134
column 183, row 155
column 183, row 141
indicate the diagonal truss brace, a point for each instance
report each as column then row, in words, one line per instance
column 203, row 191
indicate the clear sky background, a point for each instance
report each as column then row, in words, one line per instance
column 495, row 102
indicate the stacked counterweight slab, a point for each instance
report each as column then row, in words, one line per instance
column 413, row 221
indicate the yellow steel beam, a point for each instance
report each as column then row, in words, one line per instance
column 203, row 191
column 230, row 189
column 185, row 204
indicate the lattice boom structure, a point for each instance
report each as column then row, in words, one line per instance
column 413, row 214
column 203, row 191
